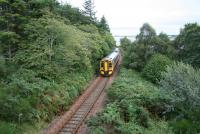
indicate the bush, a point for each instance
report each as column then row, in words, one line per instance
column 133, row 106
column 156, row 65
column 182, row 83
column 108, row 118
column 7, row 128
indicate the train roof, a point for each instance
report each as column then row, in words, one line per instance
column 111, row 56
column 116, row 49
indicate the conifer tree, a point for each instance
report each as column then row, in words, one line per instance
column 89, row 9
column 103, row 24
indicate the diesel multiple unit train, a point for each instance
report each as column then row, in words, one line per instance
column 109, row 63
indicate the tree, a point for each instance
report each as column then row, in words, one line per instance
column 14, row 15
column 103, row 24
column 11, row 20
column 187, row 44
column 89, row 9
column 147, row 43
column 168, row 47
column 164, row 37
column 146, row 34
column 74, row 15
column 155, row 66
column 125, row 43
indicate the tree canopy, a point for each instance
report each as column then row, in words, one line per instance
column 48, row 53
column 103, row 24
column 89, row 9
column 147, row 43
column 188, row 44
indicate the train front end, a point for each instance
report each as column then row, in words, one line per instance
column 106, row 67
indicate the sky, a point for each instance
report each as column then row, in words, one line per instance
column 125, row 17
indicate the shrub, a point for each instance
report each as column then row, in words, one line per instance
column 156, row 65
column 7, row 128
column 133, row 105
column 106, row 120
column 182, row 83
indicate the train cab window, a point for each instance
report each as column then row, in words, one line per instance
column 110, row 65
column 102, row 64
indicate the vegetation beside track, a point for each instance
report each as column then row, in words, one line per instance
column 158, row 89
column 132, row 100
column 139, row 106
column 48, row 53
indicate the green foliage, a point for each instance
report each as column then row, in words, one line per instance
column 155, row 66
column 137, row 53
column 9, row 41
column 98, row 45
column 7, row 128
column 2, row 67
column 48, row 53
column 45, row 59
column 182, row 83
column 89, row 9
column 109, row 118
column 187, row 44
column 146, row 34
column 133, row 106
column 72, row 14
column 50, row 50
column 136, row 57
column 14, row 15
column 164, row 37
column 125, row 43
column 103, row 24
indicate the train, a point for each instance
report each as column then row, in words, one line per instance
column 109, row 63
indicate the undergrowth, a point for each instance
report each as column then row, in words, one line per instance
column 135, row 106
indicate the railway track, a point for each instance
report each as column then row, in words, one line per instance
column 76, row 120
column 70, row 122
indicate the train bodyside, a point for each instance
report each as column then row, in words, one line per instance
column 108, row 64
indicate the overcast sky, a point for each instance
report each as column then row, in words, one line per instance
column 125, row 17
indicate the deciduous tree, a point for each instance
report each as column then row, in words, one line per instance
column 188, row 44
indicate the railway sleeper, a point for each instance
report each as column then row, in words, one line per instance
column 76, row 119
column 65, row 133
column 70, row 126
column 67, row 130
column 78, row 115
column 73, row 122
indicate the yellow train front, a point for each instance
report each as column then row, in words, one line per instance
column 108, row 64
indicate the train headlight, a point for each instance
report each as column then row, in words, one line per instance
column 110, row 72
